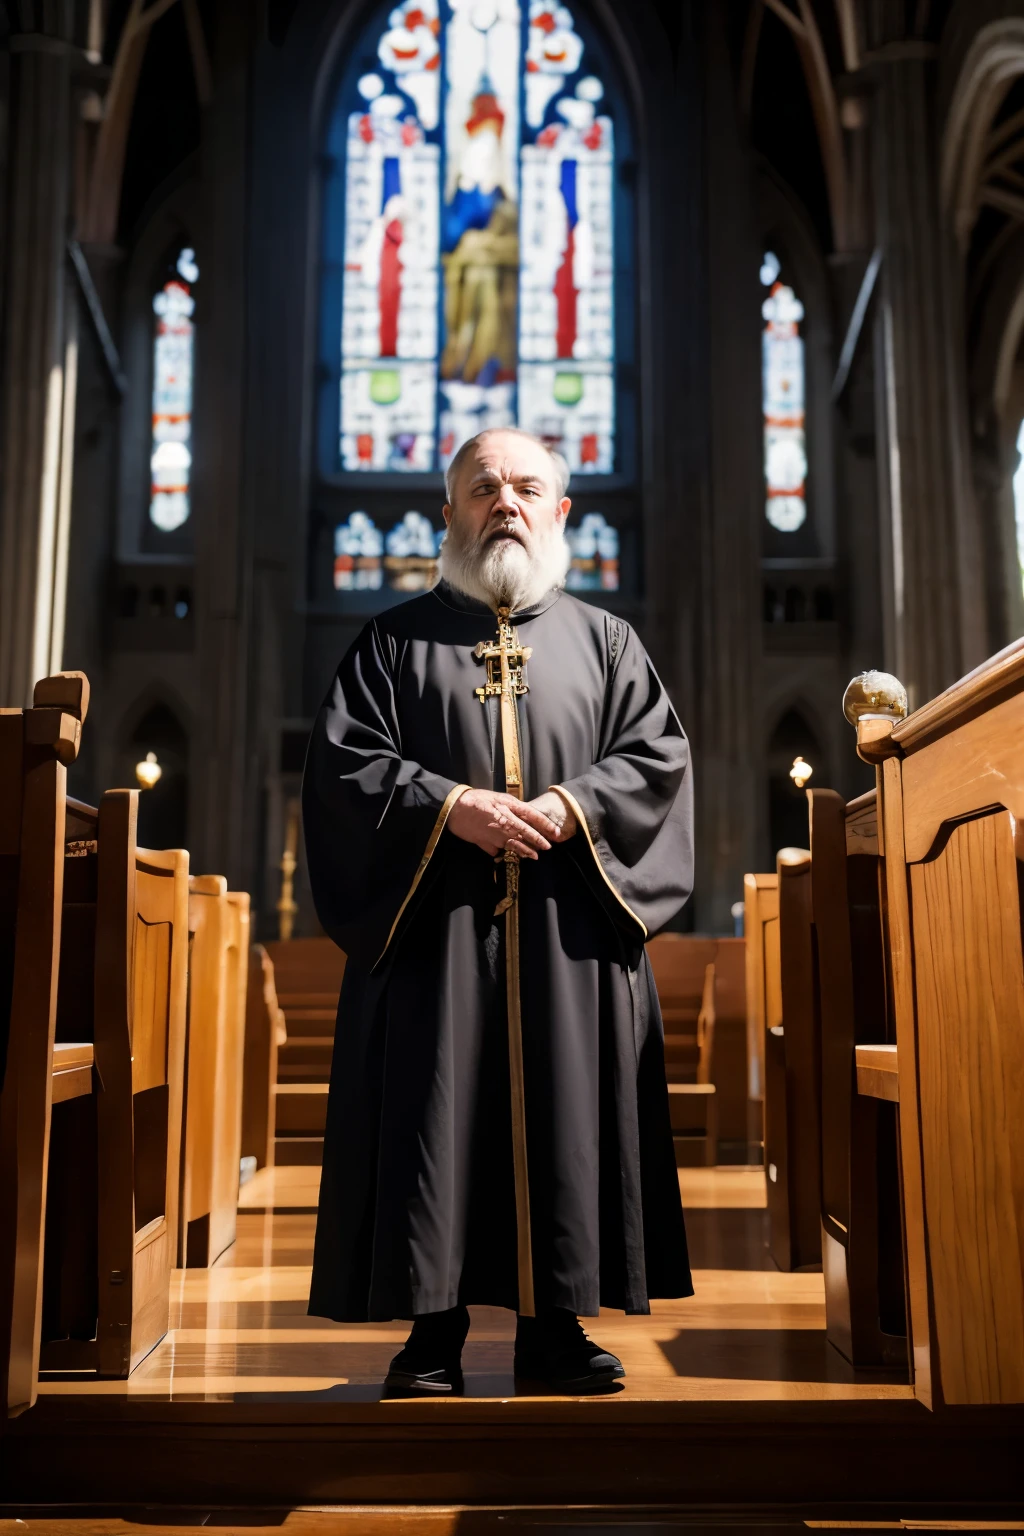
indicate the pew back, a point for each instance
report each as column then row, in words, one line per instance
column 793, row 1080
column 35, row 747
column 862, row 1249
column 141, row 995
column 219, row 925
column 264, row 1034
column 764, row 989
column 953, row 806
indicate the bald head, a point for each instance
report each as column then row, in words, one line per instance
column 557, row 468
column 505, row 515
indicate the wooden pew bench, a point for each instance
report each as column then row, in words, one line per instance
column 308, row 975
column 215, row 1032
column 38, row 833
column 265, row 1033
column 693, row 1107
column 114, row 1165
column 951, row 795
column 861, row 1234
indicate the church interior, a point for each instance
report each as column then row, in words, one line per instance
column 756, row 269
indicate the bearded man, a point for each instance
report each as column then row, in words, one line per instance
column 498, row 813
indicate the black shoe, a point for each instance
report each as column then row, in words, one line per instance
column 554, row 1349
column 431, row 1361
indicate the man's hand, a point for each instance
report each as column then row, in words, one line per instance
column 496, row 821
column 557, row 810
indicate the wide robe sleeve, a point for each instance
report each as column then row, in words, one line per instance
column 372, row 817
column 634, row 807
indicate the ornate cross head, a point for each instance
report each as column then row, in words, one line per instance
column 505, row 659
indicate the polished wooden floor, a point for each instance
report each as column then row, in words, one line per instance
column 239, row 1331
column 734, row 1404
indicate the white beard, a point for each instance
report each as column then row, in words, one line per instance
column 503, row 573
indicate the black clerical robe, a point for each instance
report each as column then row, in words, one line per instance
column 417, row 1202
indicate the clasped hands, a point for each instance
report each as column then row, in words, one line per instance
column 495, row 821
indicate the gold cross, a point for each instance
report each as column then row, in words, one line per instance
column 506, row 680
column 506, row 661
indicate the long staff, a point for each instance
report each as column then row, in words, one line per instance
column 511, row 656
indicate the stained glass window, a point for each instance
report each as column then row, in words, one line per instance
column 785, row 451
column 478, row 245
column 1018, row 501
column 171, row 452
column 405, row 558
column 595, row 555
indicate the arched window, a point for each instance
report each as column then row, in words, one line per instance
column 476, row 149
column 783, row 391
column 170, row 459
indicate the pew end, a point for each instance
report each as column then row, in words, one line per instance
column 36, row 746
column 264, row 1034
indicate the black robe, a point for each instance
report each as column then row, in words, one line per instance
column 417, row 1203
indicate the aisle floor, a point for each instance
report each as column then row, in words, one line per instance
column 240, row 1332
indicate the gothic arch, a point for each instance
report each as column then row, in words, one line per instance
column 157, row 721
column 793, row 731
column 993, row 60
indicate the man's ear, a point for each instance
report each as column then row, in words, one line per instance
column 446, row 513
column 562, row 510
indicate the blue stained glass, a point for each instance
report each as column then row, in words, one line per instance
column 479, row 261
column 595, row 555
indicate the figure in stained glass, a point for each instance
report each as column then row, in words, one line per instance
column 358, row 551
column 785, row 453
column 171, row 450
column 595, row 555
column 481, row 160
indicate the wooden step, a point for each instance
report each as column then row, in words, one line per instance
column 300, row 1109
column 318, row 1001
column 311, row 1021
column 298, row 1151
column 303, row 1072
column 315, row 1049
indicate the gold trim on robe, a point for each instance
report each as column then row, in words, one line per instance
column 428, row 853
column 581, row 821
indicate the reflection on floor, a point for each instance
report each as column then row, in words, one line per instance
column 239, row 1331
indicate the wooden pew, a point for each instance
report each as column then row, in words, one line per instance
column 686, row 996
column 693, row 1106
column 111, row 1227
column 265, row 1033
column 862, row 1245
column 792, row 1103
column 951, row 790
column 219, row 928
column 36, row 746
column 679, row 963
column 764, row 996
column 308, row 975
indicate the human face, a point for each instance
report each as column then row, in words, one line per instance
column 505, row 493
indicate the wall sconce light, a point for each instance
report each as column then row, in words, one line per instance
column 800, row 772
column 148, row 772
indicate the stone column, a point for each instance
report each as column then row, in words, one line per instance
column 39, row 366
column 728, row 729
column 222, row 827
column 932, row 575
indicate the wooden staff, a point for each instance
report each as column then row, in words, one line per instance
column 506, row 660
